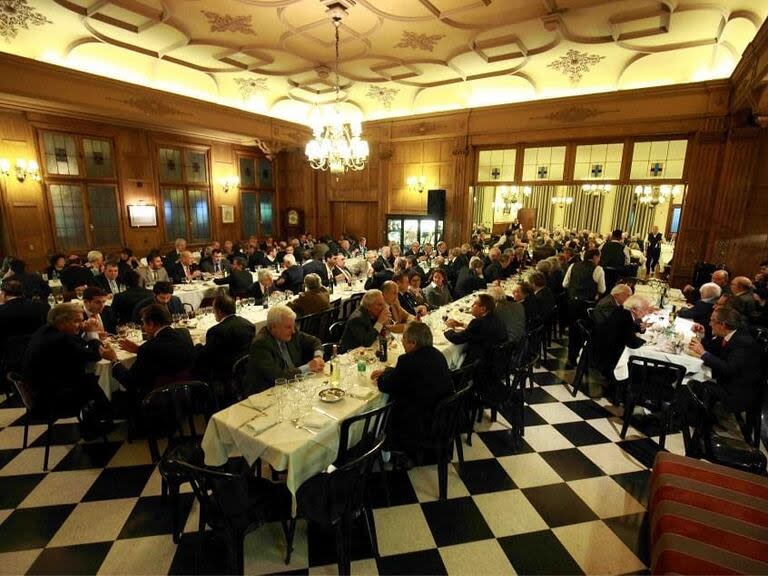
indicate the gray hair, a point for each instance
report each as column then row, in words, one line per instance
column 264, row 274
column 710, row 291
column 544, row 266
column 179, row 241
column 621, row 289
column 289, row 259
column 94, row 255
column 279, row 313
column 312, row 281
column 418, row 334
column 497, row 293
column 63, row 312
column 475, row 263
column 369, row 297
column 636, row 303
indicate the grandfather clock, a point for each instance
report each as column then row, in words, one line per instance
column 293, row 222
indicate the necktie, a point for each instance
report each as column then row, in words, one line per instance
column 285, row 355
column 186, row 272
column 217, row 267
column 113, row 287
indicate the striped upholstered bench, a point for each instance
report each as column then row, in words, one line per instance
column 706, row 519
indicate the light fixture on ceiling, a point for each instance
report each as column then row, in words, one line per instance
column 562, row 201
column 337, row 145
column 596, row 189
column 416, row 184
column 24, row 169
column 512, row 197
column 228, row 182
column 655, row 195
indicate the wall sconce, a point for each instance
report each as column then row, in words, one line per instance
column 24, row 169
column 416, row 184
column 228, row 182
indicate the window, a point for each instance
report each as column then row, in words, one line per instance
column 542, row 164
column 496, row 165
column 598, row 162
column 658, row 160
column 256, row 196
column 185, row 190
column 82, row 188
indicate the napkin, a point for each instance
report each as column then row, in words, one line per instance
column 361, row 393
column 258, row 425
column 315, row 420
column 259, row 401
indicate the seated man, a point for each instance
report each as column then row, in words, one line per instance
column 314, row 299
column 154, row 271
column 701, row 311
column 437, row 293
column 280, row 351
column 617, row 330
column 342, row 274
column 543, row 295
column 523, row 293
column 56, row 359
column 482, row 333
column 32, row 283
column 226, row 341
column 470, row 278
column 364, row 325
column 744, row 290
column 239, row 280
column 735, row 359
column 20, row 317
column 215, row 263
column 124, row 302
column 75, row 275
column 512, row 314
column 98, row 318
column 110, row 280
column 184, row 269
column 165, row 357
column 607, row 305
column 292, row 276
column 400, row 316
column 263, row 287
column 162, row 293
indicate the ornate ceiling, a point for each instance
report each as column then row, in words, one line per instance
column 398, row 57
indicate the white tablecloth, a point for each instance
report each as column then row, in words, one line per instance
column 103, row 369
column 194, row 293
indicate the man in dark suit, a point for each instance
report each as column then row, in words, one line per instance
column 255, row 257
column 365, row 324
column 263, row 287
column 417, row 383
column 383, row 262
column 735, row 359
column 56, row 359
column 110, row 281
column 239, row 280
column 162, row 293
column 225, row 342
column 523, row 293
column 19, row 318
column 470, row 278
column 215, row 263
column 167, row 356
column 185, row 270
column 75, row 275
column 292, row 276
column 342, row 274
column 170, row 259
column 492, row 271
column 316, row 265
column 98, row 318
column 616, row 331
column 482, row 333
column 33, row 284
column 124, row 303
column 701, row 311
column 543, row 295
column 280, row 351
column 607, row 305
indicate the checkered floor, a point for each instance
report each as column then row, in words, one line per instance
column 572, row 500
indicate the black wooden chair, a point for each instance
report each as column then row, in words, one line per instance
column 335, row 331
column 752, row 421
column 235, row 504
column 652, row 385
column 239, row 369
column 169, row 412
column 317, row 324
column 585, row 357
column 532, row 354
column 349, row 306
column 550, row 329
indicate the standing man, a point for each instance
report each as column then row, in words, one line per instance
column 240, row 280
column 653, row 250
column 584, row 282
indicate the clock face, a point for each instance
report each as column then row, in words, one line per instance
column 293, row 217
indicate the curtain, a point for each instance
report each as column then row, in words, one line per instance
column 541, row 200
column 584, row 212
column 629, row 214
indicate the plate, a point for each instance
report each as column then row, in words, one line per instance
column 331, row 394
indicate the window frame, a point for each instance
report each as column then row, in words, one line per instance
column 258, row 190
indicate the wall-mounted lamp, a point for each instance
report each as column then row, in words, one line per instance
column 416, row 184
column 24, row 169
column 228, row 182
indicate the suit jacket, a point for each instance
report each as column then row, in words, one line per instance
column 150, row 277
column 108, row 319
column 256, row 260
column 174, row 307
column 604, row 308
column 239, row 281
column 319, row 268
column 512, row 315
column 545, row 300
column 533, row 315
column 406, row 302
column 381, row 263
column 124, row 303
column 378, row 278
column 19, row 319
column 736, row 366
column 480, row 335
column 170, row 259
column 160, row 360
column 699, row 313
column 176, row 272
column 437, row 297
column 224, row 344
column 102, row 282
column 207, row 265
column 33, row 285
column 310, row 303
column 74, row 276
column 291, row 279
column 266, row 363
column 258, row 293
column 467, row 283
column 343, row 272
column 358, row 331
column 492, row 272
column 611, row 336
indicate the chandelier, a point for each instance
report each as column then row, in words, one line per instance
column 655, row 195
column 596, row 189
column 562, row 201
column 511, row 197
column 337, row 146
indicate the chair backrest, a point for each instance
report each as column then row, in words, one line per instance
column 447, row 415
column 24, row 390
column 653, row 381
column 585, row 330
column 463, row 376
column 188, row 307
column 168, row 409
column 317, row 324
column 349, row 306
column 533, row 344
column 327, row 348
column 368, row 426
column 238, row 374
column 505, row 358
column 335, row 331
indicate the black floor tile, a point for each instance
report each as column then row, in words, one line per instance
column 546, row 378
column 8, row 455
column 559, row 505
column 80, row 559
column 538, row 395
column 644, row 450
column 11, row 402
column 637, row 484
column 633, row 531
column 483, row 476
column 13, row 489
column 151, row 516
column 201, row 554
column 399, row 486
column 588, row 409
column 416, row 563
column 501, row 443
column 571, row 464
column 556, row 363
column 455, row 521
column 28, row 528
column 121, row 482
column 652, row 424
column 321, row 544
column 538, row 553
column 532, row 418
column 61, row 434
column 581, row 433
column 94, row 455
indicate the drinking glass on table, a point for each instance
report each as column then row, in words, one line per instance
column 280, row 392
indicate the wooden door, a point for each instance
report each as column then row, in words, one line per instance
column 527, row 218
column 355, row 218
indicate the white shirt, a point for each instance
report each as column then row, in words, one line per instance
column 598, row 276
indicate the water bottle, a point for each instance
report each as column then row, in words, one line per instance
column 383, row 347
column 334, row 365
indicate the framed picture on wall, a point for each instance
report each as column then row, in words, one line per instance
column 142, row 216
column 227, row 214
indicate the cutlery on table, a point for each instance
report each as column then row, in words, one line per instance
column 324, row 413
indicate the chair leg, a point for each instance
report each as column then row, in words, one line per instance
column 48, row 435
column 384, row 482
column 173, row 492
column 289, row 528
column 666, row 416
column 370, row 524
column 26, row 429
column 459, row 449
column 442, row 475
column 629, row 407
column 342, row 545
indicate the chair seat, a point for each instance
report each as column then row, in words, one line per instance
column 737, row 454
column 266, row 502
column 188, row 451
